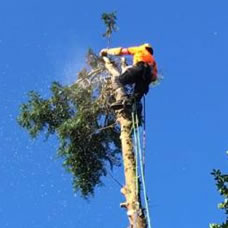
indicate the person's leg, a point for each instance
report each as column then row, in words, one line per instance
column 130, row 76
column 142, row 83
column 140, row 89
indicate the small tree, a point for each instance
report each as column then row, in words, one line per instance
column 222, row 186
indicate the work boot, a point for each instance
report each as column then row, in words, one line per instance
column 120, row 104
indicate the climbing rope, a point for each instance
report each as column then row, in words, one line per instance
column 136, row 165
column 143, row 177
column 139, row 153
column 115, row 180
column 144, row 132
column 136, row 153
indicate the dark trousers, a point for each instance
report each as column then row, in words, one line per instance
column 140, row 76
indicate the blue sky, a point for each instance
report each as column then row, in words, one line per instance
column 43, row 41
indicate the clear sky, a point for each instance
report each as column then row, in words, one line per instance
column 187, row 127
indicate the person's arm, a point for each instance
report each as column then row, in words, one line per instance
column 111, row 51
column 133, row 50
column 119, row 51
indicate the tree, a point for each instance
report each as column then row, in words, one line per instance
column 131, row 190
column 222, row 186
column 91, row 136
column 78, row 115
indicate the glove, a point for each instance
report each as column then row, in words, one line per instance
column 104, row 52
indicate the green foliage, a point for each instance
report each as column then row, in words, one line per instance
column 110, row 23
column 222, row 186
column 79, row 115
column 217, row 226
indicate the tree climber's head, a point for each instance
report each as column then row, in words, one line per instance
column 149, row 48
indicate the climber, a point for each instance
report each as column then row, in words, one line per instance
column 141, row 73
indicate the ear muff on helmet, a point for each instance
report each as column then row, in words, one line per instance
column 150, row 49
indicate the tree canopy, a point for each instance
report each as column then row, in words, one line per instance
column 79, row 115
column 222, row 186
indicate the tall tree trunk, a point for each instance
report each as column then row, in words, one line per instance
column 131, row 189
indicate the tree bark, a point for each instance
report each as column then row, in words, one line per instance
column 131, row 190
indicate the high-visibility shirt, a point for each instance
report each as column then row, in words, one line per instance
column 141, row 54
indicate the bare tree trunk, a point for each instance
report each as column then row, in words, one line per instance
column 130, row 190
